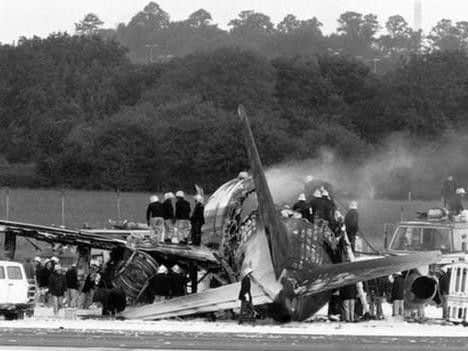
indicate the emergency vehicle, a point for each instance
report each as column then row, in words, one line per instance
column 16, row 292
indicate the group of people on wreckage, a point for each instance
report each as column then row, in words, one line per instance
column 317, row 202
column 175, row 222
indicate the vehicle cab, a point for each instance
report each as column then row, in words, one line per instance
column 16, row 294
column 435, row 232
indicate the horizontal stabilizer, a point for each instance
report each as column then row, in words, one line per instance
column 333, row 276
column 211, row 300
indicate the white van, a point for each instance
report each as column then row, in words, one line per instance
column 16, row 293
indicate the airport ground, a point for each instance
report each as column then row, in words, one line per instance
column 75, row 340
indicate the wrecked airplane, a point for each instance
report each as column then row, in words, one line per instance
column 294, row 261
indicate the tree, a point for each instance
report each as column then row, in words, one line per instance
column 199, row 18
column 89, row 25
column 251, row 22
column 357, row 32
column 446, row 36
column 401, row 39
column 152, row 17
column 289, row 24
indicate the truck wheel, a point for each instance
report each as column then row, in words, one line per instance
column 19, row 315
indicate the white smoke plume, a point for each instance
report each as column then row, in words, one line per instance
column 401, row 165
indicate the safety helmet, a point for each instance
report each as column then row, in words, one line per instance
column 325, row 193
column 176, row 269
column 55, row 259
column 302, row 197
column 168, row 196
column 243, row 175
column 460, row 191
column 198, row 198
column 317, row 193
column 162, row 269
column 57, row 267
column 180, row 193
column 154, row 198
column 353, row 205
column 37, row 259
column 309, row 179
column 247, row 271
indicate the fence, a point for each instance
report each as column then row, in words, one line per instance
column 72, row 208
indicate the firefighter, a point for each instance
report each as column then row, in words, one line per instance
column 160, row 283
column 197, row 220
column 168, row 208
column 328, row 209
column 348, row 296
column 178, row 281
column 168, row 216
column 57, row 287
column 182, row 207
column 444, row 289
column 455, row 204
column 245, row 296
column 302, row 207
column 352, row 223
column 72, row 286
column 154, row 210
column 317, row 205
column 398, row 295
column 448, row 191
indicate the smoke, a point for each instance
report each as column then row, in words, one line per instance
column 401, row 165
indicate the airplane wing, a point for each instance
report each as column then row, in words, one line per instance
column 211, row 300
column 62, row 235
column 333, row 276
column 108, row 239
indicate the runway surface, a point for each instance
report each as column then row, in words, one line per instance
column 31, row 339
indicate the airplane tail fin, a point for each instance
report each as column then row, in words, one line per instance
column 274, row 228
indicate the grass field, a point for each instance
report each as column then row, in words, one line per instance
column 96, row 207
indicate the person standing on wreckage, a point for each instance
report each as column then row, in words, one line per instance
column 182, row 216
column 168, row 216
column 155, row 217
column 197, row 220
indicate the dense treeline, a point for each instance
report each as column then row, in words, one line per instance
column 86, row 116
column 151, row 36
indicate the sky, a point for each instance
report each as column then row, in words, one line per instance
column 42, row 17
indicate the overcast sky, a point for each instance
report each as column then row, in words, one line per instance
column 41, row 17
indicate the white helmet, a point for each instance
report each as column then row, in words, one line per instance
column 460, row 191
column 154, row 198
column 57, row 267
column 180, row 193
column 247, row 271
column 162, row 269
column 176, row 269
column 317, row 193
column 198, row 198
column 353, row 205
column 301, row 197
column 325, row 193
column 55, row 259
column 168, row 196
column 243, row 175
column 309, row 179
column 37, row 259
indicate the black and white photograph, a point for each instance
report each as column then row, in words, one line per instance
column 233, row 175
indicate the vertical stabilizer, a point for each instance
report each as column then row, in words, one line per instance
column 274, row 228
